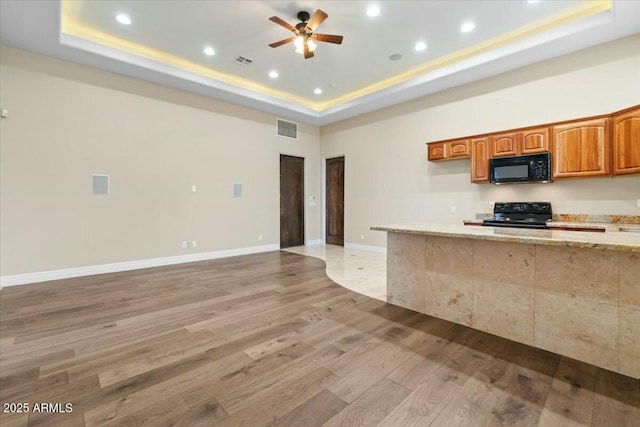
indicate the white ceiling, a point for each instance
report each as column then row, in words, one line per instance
column 164, row 44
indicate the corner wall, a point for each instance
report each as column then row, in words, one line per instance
column 68, row 122
column 387, row 177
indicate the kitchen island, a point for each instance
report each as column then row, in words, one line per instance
column 574, row 293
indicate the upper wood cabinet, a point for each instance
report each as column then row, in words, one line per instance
column 448, row 150
column 535, row 140
column 458, row 149
column 522, row 142
column 581, row 148
column 505, row 144
column 480, row 160
column 436, row 151
column 599, row 146
column 626, row 142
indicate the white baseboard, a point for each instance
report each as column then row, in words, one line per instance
column 44, row 276
column 316, row 242
column 365, row 248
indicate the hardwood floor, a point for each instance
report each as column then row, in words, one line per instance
column 268, row 339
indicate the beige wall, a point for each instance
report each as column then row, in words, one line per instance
column 67, row 122
column 388, row 180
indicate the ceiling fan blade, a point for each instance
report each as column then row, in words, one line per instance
column 307, row 53
column 329, row 38
column 316, row 19
column 281, row 42
column 283, row 23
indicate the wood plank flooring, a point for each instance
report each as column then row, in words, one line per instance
column 269, row 340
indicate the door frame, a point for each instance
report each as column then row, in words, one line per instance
column 324, row 192
column 304, row 191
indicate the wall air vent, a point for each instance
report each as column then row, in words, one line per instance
column 287, row 129
column 241, row 60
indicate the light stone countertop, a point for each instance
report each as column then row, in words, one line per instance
column 611, row 239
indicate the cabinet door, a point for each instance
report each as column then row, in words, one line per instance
column 458, row 149
column 626, row 142
column 436, row 151
column 480, row 160
column 581, row 149
column 535, row 140
column 505, row 144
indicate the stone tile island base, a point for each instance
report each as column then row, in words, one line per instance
column 579, row 302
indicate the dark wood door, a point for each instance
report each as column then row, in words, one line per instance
column 291, row 201
column 335, row 201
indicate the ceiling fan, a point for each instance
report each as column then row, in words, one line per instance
column 304, row 32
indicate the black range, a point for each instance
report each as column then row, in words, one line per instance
column 520, row 215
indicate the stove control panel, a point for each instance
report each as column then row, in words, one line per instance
column 522, row 207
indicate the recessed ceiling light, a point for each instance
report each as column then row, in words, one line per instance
column 467, row 27
column 273, row 74
column 533, row 1
column 317, row 91
column 123, row 19
column 373, row 11
column 209, row 51
column 420, row 46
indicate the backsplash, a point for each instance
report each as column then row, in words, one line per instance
column 605, row 219
column 612, row 219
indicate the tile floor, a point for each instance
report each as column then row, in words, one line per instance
column 359, row 271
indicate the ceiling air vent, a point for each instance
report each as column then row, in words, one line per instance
column 287, row 129
column 241, row 60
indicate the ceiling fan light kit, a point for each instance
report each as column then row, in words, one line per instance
column 305, row 37
column 300, row 41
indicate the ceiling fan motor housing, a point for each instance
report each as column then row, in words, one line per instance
column 303, row 15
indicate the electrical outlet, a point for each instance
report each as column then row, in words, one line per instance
column 362, row 237
column 492, row 205
column 638, row 203
column 194, row 243
column 453, row 209
column 184, row 244
column 260, row 237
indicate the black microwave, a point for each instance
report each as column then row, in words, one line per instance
column 520, row 169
